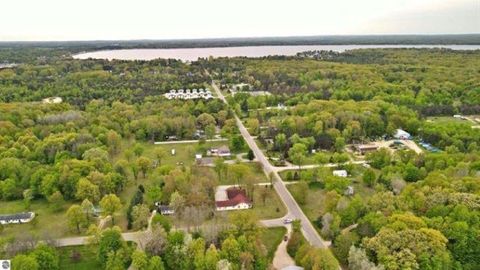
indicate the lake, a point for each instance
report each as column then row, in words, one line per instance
column 192, row 54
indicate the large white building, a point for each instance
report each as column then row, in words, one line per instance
column 189, row 94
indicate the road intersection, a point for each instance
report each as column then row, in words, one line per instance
column 294, row 210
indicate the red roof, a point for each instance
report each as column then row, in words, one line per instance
column 235, row 196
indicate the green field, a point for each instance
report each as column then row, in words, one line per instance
column 41, row 225
column 450, row 119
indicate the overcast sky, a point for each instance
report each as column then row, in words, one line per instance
column 173, row 19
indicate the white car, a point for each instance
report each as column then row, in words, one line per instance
column 287, row 221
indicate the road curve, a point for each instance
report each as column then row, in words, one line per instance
column 294, row 210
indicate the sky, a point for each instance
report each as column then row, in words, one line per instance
column 42, row 20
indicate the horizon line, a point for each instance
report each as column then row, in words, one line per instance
column 240, row 38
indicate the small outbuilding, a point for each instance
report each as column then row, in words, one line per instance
column 340, row 173
column 365, row 148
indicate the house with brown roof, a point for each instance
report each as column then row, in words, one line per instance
column 232, row 198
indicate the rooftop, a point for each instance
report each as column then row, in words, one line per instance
column 25, row 215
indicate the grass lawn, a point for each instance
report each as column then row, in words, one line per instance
column 88, row 258
column 184, row 152
column 314, row 204
column 271, row 238
column 315, row 198
column 45, row 223
column 447, row 120
column 273, row 207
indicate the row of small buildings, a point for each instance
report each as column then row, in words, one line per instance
column 189, row 94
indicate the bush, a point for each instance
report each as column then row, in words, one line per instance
column 342, row 244
column 294, row 243
column 162, row 221
column 316, row 258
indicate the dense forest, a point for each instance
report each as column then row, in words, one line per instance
column 431, row 81
column 79, row 82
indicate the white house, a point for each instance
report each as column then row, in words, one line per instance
column 340, row 173
column 17, row 218
column 232, row 198
column 402, row 135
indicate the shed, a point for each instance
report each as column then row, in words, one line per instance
column 340, row 173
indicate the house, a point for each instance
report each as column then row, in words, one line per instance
column 164, row 209
column 224, row 151
column 18, row 218
column 232, row 198
column 340, row 173
column 402, row 135
column 365, row 148
column 52, row 100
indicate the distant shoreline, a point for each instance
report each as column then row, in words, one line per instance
column 78, row 46
column 193, row 54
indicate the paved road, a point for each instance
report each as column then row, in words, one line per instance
column 294, row 210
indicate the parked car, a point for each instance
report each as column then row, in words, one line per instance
column 287, row 221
